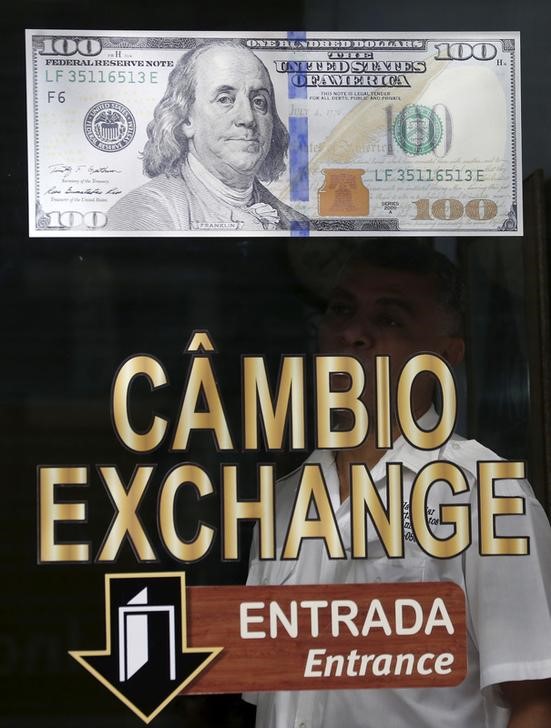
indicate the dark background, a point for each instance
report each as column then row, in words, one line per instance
column 73, row 310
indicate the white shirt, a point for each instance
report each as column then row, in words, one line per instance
column 508, row 600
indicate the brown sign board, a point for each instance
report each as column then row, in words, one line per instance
column 327, row 637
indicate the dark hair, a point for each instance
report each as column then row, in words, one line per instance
column 417, row 255
column 167, row 145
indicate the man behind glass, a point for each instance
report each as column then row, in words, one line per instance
column 399, row 298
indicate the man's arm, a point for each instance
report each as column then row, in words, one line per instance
column 530, row 702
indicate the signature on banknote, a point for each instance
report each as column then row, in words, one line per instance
column 61, row 168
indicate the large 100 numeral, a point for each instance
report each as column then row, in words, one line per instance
column 70, row 46
column 449, row 208
column 92, row 220
column 464, row 51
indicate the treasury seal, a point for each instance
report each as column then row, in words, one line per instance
column 417, row 129
column 109, row 126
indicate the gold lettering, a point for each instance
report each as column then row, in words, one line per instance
column 423, row 439
column 328, row 400
column 384, row 430
column 313, row 490
column 458, row 516
column 490, row 506
column 126, row 519
column 261, row 510
column 198, row 547
column 201, row 380
column 150, row 368
column 388, row 522
column 51, row 512
column 290, row 390
column 200, row 341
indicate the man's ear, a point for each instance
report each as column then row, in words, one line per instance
column 454, row 350
column 187, row 128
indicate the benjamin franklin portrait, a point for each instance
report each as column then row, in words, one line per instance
column 215, row 138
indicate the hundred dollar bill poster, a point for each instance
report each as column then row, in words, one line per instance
column 250, row 480
column 180, row 133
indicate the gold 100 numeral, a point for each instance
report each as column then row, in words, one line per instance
column 449, row 208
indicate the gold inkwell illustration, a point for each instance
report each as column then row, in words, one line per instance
column 343, row 194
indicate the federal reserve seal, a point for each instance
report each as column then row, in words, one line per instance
column 109, row 126
column 417, row 129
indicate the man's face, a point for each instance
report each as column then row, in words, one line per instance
column 230, row 124
column 377, row 311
